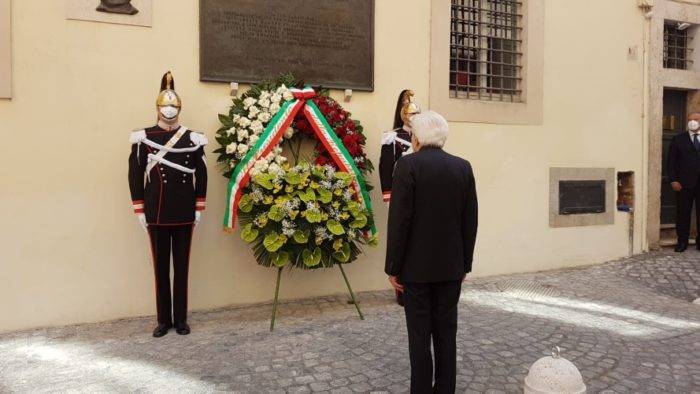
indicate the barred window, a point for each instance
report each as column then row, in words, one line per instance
column 676, row 51
column 486, row 50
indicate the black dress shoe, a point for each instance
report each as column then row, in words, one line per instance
column 161, row 329
column 681, row 247
column 182, row 328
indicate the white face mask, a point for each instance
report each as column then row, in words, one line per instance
column 169, row 112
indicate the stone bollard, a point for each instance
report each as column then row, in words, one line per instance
column 554, row 375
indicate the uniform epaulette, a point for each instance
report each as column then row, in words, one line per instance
column 137, row 136
column 388, row 137
column 198, row 138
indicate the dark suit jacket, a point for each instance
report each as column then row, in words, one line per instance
column 432, row 218
column 683, row 161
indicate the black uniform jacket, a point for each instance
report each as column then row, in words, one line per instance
column 683, row 161
column 432, row 218
column 168, row 196
column 392, row 150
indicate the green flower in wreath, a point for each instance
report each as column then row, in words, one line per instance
column 312, row 212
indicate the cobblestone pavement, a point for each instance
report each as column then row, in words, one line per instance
column 628, row 325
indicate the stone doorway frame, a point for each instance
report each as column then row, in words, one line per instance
column 658, row 79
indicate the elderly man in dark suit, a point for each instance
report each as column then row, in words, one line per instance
column 432, row 231
column 684, row 174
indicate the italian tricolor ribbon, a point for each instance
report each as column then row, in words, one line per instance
column 271, row 136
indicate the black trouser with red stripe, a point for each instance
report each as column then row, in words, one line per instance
column 165, row 239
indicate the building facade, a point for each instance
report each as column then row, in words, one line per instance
column 559, row 106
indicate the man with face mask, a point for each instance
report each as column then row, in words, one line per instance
column 684, row 174
column 168, row 183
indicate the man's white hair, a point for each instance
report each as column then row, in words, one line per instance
column 430, row 128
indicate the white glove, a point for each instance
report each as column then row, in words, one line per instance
column 142, row 221
column 197, row 217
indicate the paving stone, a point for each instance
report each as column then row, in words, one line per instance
column 628, row 325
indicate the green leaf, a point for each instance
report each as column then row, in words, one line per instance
column 343, row 255
column 313, row 216
column 301, row 237
column 335, row 227
column 345, row 177
column 311, row 259
column 293, row 178
column 350, row 206
column 225, row 120
column 280, row 259
column 246, row 203
column 249, row 234
column 222, row 140
column 264, row 180
column 273, row 242
column 360, row 221
column 307, row 195
column 373, row 241
column 276, row 213
column 325, row 196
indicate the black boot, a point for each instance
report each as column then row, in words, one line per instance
column 162, row 329
column 681, row 246
column 182, row 328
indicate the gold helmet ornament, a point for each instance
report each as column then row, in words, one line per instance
column 408, row 107
column 168, row 102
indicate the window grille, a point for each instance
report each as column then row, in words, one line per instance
column 486, row 50
column 676, row 51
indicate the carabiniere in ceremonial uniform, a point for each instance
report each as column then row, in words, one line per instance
column 168, row 183
column 395, row 144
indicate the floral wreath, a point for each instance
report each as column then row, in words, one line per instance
column 315, row 212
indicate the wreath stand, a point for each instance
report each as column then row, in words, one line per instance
column 277, row 292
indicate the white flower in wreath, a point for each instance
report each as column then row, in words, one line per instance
column 236, row 118
column 288, row 133
column 275, row 99
column 244, row 122
column 277, row 150
column 287, row 95
column 242, row 148
column 231, row 131
column 248, row 102
column 264, row 117
column 265, row 103
column 253, row 112
column 231, row 148
column 275, row 169
column 260, row 165
column 274, row 108
column 256, row 126
column 280, row 160
column 264, row 95
column 253, row 140
column 242, row 134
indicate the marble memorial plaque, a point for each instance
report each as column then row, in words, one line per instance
column 327, row 43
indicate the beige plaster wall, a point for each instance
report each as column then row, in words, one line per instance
column 72, row 251
column 5, row 49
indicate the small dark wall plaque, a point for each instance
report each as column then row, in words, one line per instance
column 324, row 42
column 577, row 197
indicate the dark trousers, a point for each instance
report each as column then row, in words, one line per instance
column 684, row 207
column 431, row 313
column 165, row 239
